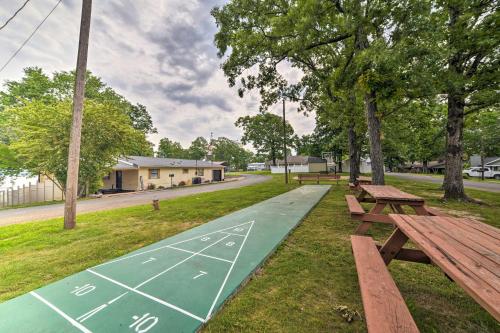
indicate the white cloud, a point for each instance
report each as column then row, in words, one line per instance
column 157, row 53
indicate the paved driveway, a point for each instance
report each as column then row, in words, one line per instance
column 486, row 186
column 14, row 216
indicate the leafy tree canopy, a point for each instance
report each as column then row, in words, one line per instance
column 37, row 86
column 232, row 153
column 39, row 138
column 265, row 132
column 171, row 149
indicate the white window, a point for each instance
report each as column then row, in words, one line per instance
column 154, row 173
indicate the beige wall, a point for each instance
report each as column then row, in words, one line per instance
column 317, row 167
column 130, row 180
column 179, row 176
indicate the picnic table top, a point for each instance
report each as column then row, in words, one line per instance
column 467, row 250
column 388, row 192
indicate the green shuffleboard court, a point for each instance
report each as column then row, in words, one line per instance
column 175, row 285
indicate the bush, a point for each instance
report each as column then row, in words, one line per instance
column 182, row 183
column 161, row 187
column 151, row 186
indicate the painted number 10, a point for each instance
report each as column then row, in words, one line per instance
column 85, row 289
column 144, row 323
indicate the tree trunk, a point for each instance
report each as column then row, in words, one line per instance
column 376, row 155
column 482, row 165
column 453, row 180
column 339, row 160
column 354, row 154
column 425, row 169
column 273, row 155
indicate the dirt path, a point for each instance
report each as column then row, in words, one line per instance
column 20, row 215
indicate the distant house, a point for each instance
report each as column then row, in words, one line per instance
column 256, row 166
column 492, row 162
column 136, row 173
column 437, row 166
column 300, row 164
column 365, row 165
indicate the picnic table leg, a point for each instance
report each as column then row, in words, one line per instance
column 420, row 210
column 364, row 226
column 392, row 245
column 398, row 209
column 361, row 195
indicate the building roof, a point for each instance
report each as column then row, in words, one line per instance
column 301, row 159
column 134, row 162
column 475, row 160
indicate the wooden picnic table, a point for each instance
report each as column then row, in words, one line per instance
column 361, row 180
column 382, row 196
column 467, row 250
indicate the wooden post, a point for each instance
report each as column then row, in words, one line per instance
column 284, row 143
column 76, row 127
column 156, row 204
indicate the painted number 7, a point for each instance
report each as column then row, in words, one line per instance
column 199, row 275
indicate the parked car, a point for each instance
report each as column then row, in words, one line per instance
column 476, row 172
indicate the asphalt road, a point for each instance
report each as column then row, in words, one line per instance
column 20, row 215
column 484, row 186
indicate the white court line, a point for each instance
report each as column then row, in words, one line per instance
column 65, row 316
column 200, row 254
column 230, row 233
column 229, row 273
column 162, row 247
column 180, row 262
column 187, row 313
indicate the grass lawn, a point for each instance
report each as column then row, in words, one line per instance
column 296, row 291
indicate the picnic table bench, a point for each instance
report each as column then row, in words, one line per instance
column 383, row 196
column 317, row 177
column 362, row 180
column 467, row 251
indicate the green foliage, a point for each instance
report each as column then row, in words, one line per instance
column 37, row 86
column 231, row 152
column 171, row 149
column 482, row 134
column 39, row 138
column 198, row 150
column 265, row 132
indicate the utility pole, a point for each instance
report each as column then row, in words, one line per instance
column 76, row 126
column 284, row 142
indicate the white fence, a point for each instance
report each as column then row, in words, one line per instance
column 38, row 192
column 291, row 168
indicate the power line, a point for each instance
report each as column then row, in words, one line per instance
column 12, row 17
column 29, row 37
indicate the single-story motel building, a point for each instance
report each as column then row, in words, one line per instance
column 137, row 173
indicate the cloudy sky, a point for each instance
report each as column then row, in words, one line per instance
column 157, row 53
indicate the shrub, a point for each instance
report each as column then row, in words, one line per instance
column 151, row 186
column 182, row 183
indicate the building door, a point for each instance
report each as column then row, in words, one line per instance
column 217, row 175
column 119, row 176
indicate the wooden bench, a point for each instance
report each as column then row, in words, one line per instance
column 385, row 309
column 434, row 211
column 317, row 177
column 354, row 206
